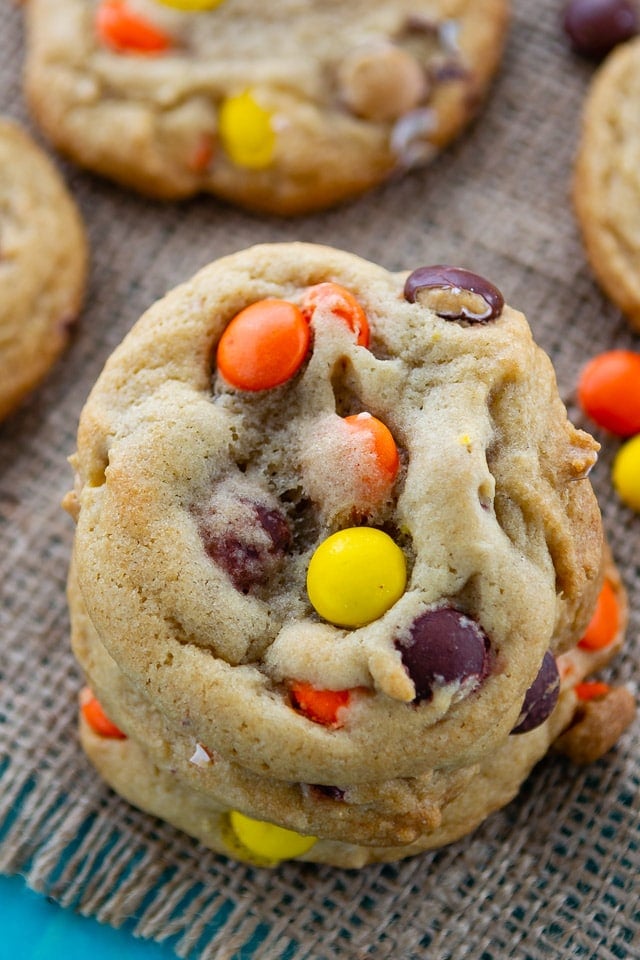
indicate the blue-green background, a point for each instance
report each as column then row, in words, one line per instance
column 35, row 928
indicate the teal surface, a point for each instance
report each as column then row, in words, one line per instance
column 34, row 928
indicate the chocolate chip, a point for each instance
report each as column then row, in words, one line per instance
column 454, row 293
column 595, row 27
column 541, row 697
column 243, row 553
column 444, row 647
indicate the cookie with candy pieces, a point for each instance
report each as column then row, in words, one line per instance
column 43, row 265
column 334, row 536
column 282, row 107
column 606, row 188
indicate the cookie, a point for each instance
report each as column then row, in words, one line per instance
column 177, row 779
column 334, row 537
column 283, row 108
column 606, row 185
column 43, row 260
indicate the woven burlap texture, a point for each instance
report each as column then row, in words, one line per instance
column 553, row 875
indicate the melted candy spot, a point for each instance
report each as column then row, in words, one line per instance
column 454, row 293
column 541, row 697
column 444, row 647
column 250, row 556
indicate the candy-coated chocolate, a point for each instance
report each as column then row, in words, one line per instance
column 252, row 552
column 325, row 792
column 626, row 473
column 591, row 690
column 387, row 460
column 455, row 293
column 609, row 391
column 94, row 715
column 355, row 576
column 192, row 5
column 595, row 27
column 321, row 706
column 444, row 647
column 268, row 841
column 541, row 697
column 263, row 346
column 331, row 298
column 605, row 622
column 126, row 31
column 246, row 132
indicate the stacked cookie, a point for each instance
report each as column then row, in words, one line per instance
column 335, row 560
column 281, row 107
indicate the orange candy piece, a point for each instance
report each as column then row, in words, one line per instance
column 321, row 706
column 382, row 443
column 264, row 345
column 202, row 153
column 604, row 624
column 98, row 720
column 609, row 391
column 333, row 298
column 591, row 689
column 123, row 30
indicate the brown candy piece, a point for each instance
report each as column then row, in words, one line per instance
column 444, row 647
column 454, row 293
column 541, row 697
column 595, row 27
column 597, row 725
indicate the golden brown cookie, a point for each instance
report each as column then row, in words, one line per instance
column 281, row 107
column 42, row 265
column 607, row 179
column 334, row 531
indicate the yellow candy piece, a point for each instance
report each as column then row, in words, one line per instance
column 355, row 575
column 268, row 841
column 195, row 5
column 626, row 473
column 246, row 132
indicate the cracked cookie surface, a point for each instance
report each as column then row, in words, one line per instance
column 283, row 108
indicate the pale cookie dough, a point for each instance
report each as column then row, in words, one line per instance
column 206, row 493
column 42, row 265
column 166, row 772
column 280, row 107
column 607, row 178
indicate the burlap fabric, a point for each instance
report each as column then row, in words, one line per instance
column 556, row 873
